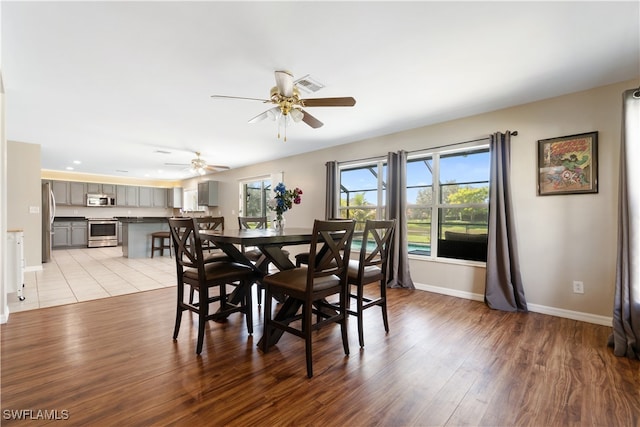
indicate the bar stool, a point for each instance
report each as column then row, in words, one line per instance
column 164, row 239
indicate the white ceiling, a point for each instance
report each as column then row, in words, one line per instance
column 108, row 83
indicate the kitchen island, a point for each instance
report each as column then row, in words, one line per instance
column 136, row 234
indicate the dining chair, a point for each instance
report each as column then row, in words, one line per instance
column 214, row 223
column 253, row 253
column 252, row 222
column 214, row 254
column 371, row 267
column 303, row 257
column 309, row 286
column 201, row 276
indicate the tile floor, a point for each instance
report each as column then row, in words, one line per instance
column 75, row 275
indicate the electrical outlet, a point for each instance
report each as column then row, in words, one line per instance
column 578, row 287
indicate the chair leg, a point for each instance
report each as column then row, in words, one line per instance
column 259, row 288
column 179, row 311
column 176, row 328
column 344, row 323
column 203, row 311
column 266, row 336
column 306, row 325
column 153, row 245
column 383, row 306
column 360, row 310
column 248, row 305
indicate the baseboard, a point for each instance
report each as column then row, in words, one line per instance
column 33, row 268
column 536, row 308
column 4, row 318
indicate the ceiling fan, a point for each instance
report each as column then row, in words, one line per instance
column 199, row 165
column 288, row 104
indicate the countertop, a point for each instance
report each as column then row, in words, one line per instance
column 123, row 219
column 142, row 219
column 69, row 218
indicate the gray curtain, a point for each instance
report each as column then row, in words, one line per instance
column 399, row 275
column 332, row 203
column 625, row 338
column 503, row 290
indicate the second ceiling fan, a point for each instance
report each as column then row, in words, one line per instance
column 288, row 104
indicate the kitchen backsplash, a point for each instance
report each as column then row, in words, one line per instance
column 97, row 212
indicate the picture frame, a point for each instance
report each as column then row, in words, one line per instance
column 568, row 164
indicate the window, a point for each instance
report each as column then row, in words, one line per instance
column 190, row 201
column 363, row 191
column 448, row 215
column 254, row 196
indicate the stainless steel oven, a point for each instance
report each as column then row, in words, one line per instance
column 102, row 232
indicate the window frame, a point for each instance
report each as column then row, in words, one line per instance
column 380, row 206
column 437, row 205
column 265, row 182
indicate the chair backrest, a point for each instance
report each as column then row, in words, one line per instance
column 329, row 250
column 252, row 222
column 376, row 241
column 187, row 244
column 211, row 223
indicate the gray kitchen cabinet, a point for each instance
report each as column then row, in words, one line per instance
column 145, row 197
column 127, row 195
column 69, row 234
column 120, row 233
column 61, row 234
column 174, row 197
column 77, row 193
column 69, row 193
column 159, row 197
column 79, row 233
column 208, row 193
column 60, row 192
column 108, row 189
column 97, row 188
column 94, row 188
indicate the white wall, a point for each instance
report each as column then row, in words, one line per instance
column 24, row 191
column 561, row 238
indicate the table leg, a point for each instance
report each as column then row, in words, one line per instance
column 289, row 309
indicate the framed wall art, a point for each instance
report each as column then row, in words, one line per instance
column 568, row 164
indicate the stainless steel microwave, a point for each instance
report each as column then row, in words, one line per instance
column 100, row 200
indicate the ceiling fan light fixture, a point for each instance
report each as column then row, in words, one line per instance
column 296, row 115
column 273, row 115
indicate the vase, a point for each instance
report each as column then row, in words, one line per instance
column 278, row 223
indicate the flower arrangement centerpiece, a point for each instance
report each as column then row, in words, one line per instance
column 282, row 202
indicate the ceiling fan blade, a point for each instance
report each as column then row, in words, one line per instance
column 217, row 167
column 177, row 164
column 329, row 102
column 310, row 120
column 240, row 97
column 262, row 116
column 284, row 82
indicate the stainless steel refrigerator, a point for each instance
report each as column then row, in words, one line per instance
column 48, row 213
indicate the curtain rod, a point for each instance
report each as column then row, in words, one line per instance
column 514, row 133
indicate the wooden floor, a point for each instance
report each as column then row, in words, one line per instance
column 445, row 362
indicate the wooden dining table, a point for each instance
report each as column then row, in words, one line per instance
column 270, row 242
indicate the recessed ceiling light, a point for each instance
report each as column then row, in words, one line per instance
column 69, row 168
column 76, row 162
